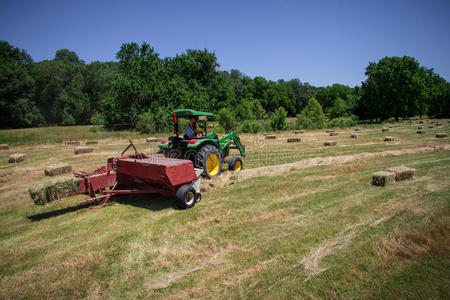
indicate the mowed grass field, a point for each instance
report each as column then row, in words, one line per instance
column 282, row 230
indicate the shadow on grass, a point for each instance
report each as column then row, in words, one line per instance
column 150, row 202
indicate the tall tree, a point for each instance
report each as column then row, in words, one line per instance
column 394, row 88
column 16, row 88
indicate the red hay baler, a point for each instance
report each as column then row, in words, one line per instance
column 142, row 174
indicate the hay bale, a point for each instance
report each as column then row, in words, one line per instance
column 57, row 170
column 420, row 131
column 357, row 129
column 91, row 142
column 333, row 133
column 271, row 137
column 441, row 135
column 152, row 140
column 68, row 143
column 329, row 143
column 430, row 126
column 439, row 124
column 420, row 127
column 402, row 173
column 329, row 131
column 382, row 178
column 389, row 139
column 54, row 190
column 294, row 140
column 79, row 150
column 354, row 136
column 17, row 157
column 298, row 131
column 385, row 129
column 420, row 122
column 4, row 147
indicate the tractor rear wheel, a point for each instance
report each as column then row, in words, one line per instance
column 186, row 197
column 235, row 164
column 209, row 159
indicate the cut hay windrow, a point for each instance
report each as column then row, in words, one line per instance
column 68, row 143
column 91, row 143
column 329, row 131
column 4, row 147
column 54, row 190
column 57, row 170
column 16, row 158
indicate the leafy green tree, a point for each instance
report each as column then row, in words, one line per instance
column 438, row 98
column 311, row 116
column 338, row 109
column 278, row 119
column 226, row 119
column 17, row 88
column 394, row 88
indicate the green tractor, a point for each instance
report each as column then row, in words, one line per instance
column 204, row 149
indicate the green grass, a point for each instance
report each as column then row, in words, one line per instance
column 59, row 134
column 311, row 233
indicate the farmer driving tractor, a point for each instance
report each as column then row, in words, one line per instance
column 190, row 132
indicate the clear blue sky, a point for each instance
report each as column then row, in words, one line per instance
column 320, row 42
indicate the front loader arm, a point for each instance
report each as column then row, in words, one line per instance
column 237, row 142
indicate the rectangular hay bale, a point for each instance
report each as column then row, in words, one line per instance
column 333, row 133
column 385, row 129
column 354, row 136
column 152, row 140
column 329, row 143
column 68, row 143
column 420, row 131
column 79, row 150
column 357, row 129
column 298, row 131
column 4, row 147
column 329, row 131
column 91, row 142
column 293, row 140
column 441, row 135
column 57, row 170
column 402, row 173
column 389, row 139
column 54, row 190
column 271, row 137
column 16, row 158
column 382, row 178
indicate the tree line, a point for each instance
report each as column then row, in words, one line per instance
column 141, row 88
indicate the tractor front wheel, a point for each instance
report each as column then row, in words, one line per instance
column 235, row 164
column 209, row 159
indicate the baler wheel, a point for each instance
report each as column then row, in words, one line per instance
column 186, row 197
